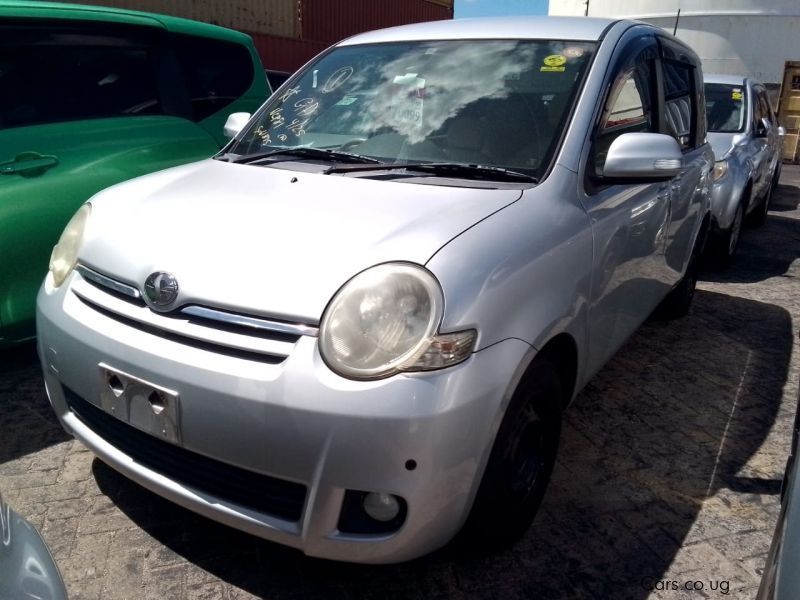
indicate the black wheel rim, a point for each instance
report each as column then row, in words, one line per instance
column 528, row 455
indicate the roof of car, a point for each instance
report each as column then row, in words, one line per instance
column 549, row 28
column 728, row 79
column 59, row 10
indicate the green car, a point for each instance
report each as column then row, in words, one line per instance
column 89, row 97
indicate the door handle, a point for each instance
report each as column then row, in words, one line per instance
column 28, row 164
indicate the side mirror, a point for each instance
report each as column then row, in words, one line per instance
column 781, row 131
column 643, row 156
column 235, row 123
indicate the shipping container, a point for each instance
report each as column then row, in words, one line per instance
column 273, row 17
column 287, row 33
column 285, row 54
column 333, row 20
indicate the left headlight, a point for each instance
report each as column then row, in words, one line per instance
column 384, row 320
column 65, row 253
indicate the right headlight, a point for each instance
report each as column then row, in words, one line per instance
column 65, row 253
column 384, row 320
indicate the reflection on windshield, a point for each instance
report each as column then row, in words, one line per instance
column 496, row 103
column 725, row 107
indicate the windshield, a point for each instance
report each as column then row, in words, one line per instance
column 494, row 103
column 725, row 107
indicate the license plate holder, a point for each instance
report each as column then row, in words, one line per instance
column 147, row 406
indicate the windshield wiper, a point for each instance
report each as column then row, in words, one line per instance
column 302, row 152
column 459, row 170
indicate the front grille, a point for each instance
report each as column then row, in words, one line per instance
column 265, row 494
column 204, row 327
column 183, row 339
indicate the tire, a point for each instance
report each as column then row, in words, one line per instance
column 677, row 303
column 520, row 465
column 727, row 241
column 759, row 216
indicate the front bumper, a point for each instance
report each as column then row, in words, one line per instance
column 295, row 422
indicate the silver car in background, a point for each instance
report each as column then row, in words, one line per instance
column 354, row 331
column 748, row 146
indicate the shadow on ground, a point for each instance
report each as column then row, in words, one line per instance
column 785, row 199
column 667, row 424
column 29, row 425
column 763, row 253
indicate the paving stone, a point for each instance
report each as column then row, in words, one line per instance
column 77, row 466
column 60, row 536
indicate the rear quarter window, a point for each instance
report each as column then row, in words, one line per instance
column 216, row 72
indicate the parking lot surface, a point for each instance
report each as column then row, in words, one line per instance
column 667, row 484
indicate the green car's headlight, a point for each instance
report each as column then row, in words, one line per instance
column 65, row 252
column 384, row 320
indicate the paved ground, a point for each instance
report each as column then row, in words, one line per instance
column 668, row 475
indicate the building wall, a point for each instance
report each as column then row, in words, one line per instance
column 736, row 37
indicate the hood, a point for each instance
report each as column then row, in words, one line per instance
column 270, row 241
column 722, row 143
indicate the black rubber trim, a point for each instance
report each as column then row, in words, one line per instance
column 184, row 339
column 265, row 494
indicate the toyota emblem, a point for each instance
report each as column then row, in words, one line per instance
column 161, row 289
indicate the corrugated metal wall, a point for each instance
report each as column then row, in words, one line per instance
column 288, row 33
column 285, row 54
column 274, row 17
column 333, row 20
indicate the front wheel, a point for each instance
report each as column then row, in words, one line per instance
column 727, row 242
column 679, row 300
column 759, row 216
column 520, row 464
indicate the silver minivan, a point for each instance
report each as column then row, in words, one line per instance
column 748, row 144
column 355, row 329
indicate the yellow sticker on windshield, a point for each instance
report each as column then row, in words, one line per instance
column 552, row 69
column 555, row 60
column 736, row 94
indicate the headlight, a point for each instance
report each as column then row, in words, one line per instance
column 720, row 168
column 65, row 252
column 384, row 320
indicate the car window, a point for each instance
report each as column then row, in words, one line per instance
column 491, row 102
column 757, row 110
column 216, row 72
column 680, row 105
column 763, row 103
column 726, row 107
column 630, row 107
column 52, row 75
column 276, row 78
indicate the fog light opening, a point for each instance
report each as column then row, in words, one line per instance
column 381, row 507
column 372, row 513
